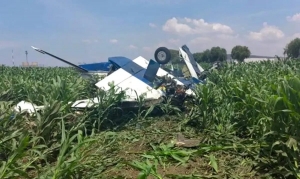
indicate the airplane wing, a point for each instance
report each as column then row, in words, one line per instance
column 60, row 59
column 131, row 77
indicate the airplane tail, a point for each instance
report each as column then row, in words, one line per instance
column 62, row 60
column 151, row 70
column 193, row 68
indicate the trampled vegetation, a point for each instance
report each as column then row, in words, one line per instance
column 246, row 120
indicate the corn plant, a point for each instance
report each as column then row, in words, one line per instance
column 146, row 169
column 249, row 108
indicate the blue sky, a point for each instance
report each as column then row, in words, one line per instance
column 91, row 31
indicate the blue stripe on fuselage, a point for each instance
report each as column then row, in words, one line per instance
column 103, row 66
column 119, row 61
column 139, row 72
column 130, row 67
column 193, row 82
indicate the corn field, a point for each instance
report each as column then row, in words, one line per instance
column 245, row 119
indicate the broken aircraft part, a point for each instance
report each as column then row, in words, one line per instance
column 142, row 77
column 100, row 69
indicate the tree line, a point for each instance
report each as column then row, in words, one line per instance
column 239, row 53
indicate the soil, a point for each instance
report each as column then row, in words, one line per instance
column 162, row 132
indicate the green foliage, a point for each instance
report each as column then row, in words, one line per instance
column 263, row 108
column 54, row 142
column 246, row 116
column 239, row 53
column 292, row 49
column 203, row 57
column 174, row 56
column 208, row 56
column 212, row 55
column 146, row 169
column 217, row 54
column 205, row 66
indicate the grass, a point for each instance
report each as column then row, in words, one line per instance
column 246, row 119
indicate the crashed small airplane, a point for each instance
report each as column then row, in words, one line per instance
column 138, row 77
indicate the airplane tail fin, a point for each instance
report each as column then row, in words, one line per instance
column 151, row 70
column 193, row 67
column 60, row 59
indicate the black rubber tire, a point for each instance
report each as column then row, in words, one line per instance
column 167, row 54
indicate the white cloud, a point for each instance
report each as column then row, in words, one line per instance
column 172, row 43
column 187, row 26
column 200, row 40
column 227, row 36
column 294, row 18
column 152, row 25
column 290, row 38
column 132, row 46
column 204, row 35
column 267, row 33
column 113, row 41
column 201, row 43
column 296, row 35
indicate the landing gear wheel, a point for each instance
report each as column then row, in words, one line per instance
column 162, row 55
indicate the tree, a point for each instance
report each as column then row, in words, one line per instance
column 198, row 56
column 206, row 55
column 218, row 54
column 202, row 56
column 239, row 53
column 212, row 55
column 209, row 55
column 174, row 56
column 292, row 49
